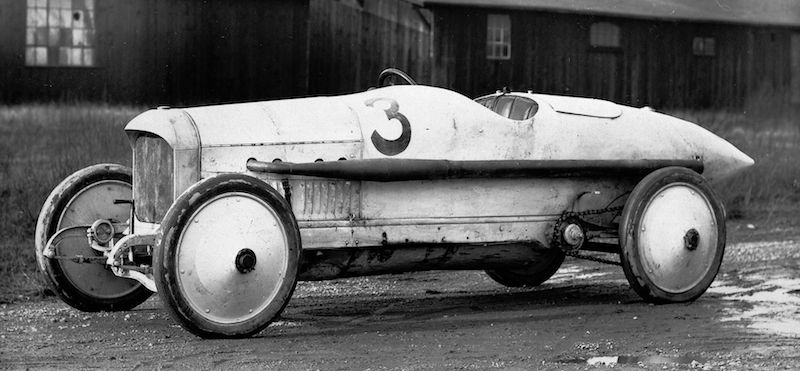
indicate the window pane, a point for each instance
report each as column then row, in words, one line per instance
column 54, row 18
column 63, row 56
column 66, row 17
column 30, row 56
column 77, row 19
column 41, row 36
column 697, row 46
column 37, row 17
column 710, row 46
column 63, row 4
column 604, row 34
column 76, row 57
column 54, row 38
column 30, row 36
column 79, row 38
column 41, row 56
column 88, row 57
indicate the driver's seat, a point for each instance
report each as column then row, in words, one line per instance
column 510, row 106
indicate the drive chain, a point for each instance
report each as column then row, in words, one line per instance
column 556, row 241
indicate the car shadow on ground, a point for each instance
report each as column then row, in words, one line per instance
column 436, row 310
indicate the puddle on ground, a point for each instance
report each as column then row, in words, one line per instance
column 574, row 272
column 773, row 305
column 631, row 360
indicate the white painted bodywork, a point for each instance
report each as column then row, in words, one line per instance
column 444, row 125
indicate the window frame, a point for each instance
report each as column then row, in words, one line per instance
column 498, row 37
column 704, row 46
column 51, row 29
column 602, row 31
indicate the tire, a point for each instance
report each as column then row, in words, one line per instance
column 535, row 274
column 672, row 236
column 79, row 200
column 212, row 266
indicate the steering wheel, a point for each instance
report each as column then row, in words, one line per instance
column 383, row 78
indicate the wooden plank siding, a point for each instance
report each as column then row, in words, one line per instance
column 654, row 65
column 353, row 41
column 170, row 52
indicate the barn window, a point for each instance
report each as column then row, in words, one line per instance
column 604, row 35
column 704, row 46
column 498, row 37
column 60, row 33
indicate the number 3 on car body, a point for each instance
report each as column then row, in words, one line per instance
column 396, row 146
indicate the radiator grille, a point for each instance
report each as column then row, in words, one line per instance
column 152, row 178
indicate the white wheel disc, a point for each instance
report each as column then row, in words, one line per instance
column 94, row 202
column 214, row 236
column 677, row 237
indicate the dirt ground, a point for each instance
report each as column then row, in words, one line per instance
column 585, row 317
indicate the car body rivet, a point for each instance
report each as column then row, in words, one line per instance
column 208, row 310
column 183, row 271
column 250, row 311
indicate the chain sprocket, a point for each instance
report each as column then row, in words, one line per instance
column 556, row 240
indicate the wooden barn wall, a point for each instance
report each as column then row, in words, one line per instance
column 169, row 52
column 352, row 41
column 655, row 64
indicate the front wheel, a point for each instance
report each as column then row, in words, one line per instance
column 672, row 236
column 227, row 258
column 78, row 201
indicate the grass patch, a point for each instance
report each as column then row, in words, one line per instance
column 772, row 186
column 41, row 144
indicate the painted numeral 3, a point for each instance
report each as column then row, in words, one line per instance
column 383, row 145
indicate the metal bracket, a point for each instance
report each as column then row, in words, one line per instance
column 124, row 246
column 49, row 250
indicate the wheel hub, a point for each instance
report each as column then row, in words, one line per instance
column 691, row 239
column 245, row 261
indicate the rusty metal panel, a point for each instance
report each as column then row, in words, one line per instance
column 372, row 233
column 227, row 159
column 282, row 122
column 482, row 197
column 322, row 199
column 462, row 211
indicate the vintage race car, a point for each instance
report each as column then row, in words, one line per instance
column 228, row 206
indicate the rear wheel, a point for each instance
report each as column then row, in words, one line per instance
column 672, row 236
column 81, row 199
column 228, row 255
column 539, row 271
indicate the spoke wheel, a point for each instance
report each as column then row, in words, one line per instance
column 79, row 200
column 672, row 236
column 535, row 274
column 229, row 250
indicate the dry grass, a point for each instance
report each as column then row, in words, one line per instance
column 772, row 185
column 42, row 144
